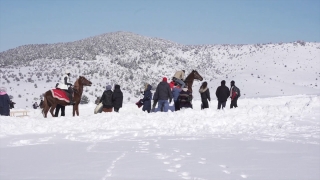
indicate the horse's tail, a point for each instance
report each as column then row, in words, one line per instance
column 45, row 100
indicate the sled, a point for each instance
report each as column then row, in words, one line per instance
column 139, row 103
column 98, row 108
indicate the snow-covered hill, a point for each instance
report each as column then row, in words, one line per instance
column 131, row 60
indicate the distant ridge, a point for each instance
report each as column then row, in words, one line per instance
column 85, row 49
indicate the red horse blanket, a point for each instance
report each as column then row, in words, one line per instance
column 60, row 94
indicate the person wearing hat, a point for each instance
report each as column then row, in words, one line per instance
column 67, row 86
column 4, row 102
column 222, row 94
column 162, row 95
column 179, row 77
column 107, row 99
column 234, row 94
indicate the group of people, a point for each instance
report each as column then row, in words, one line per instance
column 111, row 99
column 165, row 92
column 178, row 91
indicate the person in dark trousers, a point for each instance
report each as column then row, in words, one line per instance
column 162, row 95
column 175, row 93
column 106, row 99
column 58, row 107
column 147, row 96
column 185, row 98
column 4, row 102
column 234, row 95
column 178, row 78
column 205, row 95
column 222, row 94
column 117, row 98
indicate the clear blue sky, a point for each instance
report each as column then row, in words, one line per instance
column 193, row 22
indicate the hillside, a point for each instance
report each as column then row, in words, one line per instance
column 130, row 60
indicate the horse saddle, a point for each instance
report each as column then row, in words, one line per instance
column 60, row 94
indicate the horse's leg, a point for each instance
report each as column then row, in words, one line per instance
column 75, row 110
column 52, row 109
column 45, row 111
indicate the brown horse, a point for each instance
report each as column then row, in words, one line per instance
column 50, row 102
column 191, row 77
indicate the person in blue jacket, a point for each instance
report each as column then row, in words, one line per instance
column 175, row 93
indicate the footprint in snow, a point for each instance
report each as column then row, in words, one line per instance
column 172, row 170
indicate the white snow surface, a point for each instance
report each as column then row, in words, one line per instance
column 264, row 138
column 274, row 134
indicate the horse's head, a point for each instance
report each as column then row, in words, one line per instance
column 84, row 81
column 197, row 75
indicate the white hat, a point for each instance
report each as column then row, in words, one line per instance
column 67, row 71
column 3, row 89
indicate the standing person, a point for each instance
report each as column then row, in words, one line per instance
column 106, row 99
column 147, row 96
column 205, row 95
column 222, row 94
column 117, row 98
column 12, row 104
column 175, row 93
column 234, row 95
column 185, row 98
column 4, row 102
column 162, row 94
column 35, row 105
column 179, row 77
column 67, row 86
column 58, row 107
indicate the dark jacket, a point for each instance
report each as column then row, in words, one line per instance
column 106, row 99
column 147, row 96
column 117, row 97
column 236, row 89
column 205, row 94
column 163, row 92
column 185, row 99
column 222, row 93
column 4, row 105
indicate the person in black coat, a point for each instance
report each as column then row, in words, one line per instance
column 162, row 95
column 107, row 100
column 4, row 102
column 147, row 96
column 117, row 98
column 222, row 94
column 205, row 95
column 185, row 98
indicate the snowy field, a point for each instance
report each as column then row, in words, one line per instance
column 274, row 138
